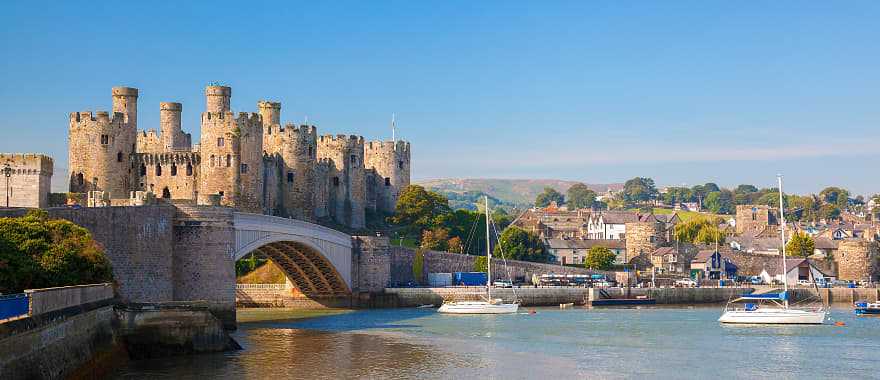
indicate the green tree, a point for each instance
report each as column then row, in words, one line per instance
column 418, row 209
column 639, row 190
column 435, row 239
column 599, row 258
column 519, row 244
column 580, row 196
column 720, row 202
column 801, row 245
column 675, row 195
column 710, row 187
column 699, row 231
column 835, row 196
column 38, row 252
column 481, row 264
column 745, row 189
column 829, row 212
column 549, row 195
column 418, row 266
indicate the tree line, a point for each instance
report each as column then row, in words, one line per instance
column 425, row 216
column 641, row 192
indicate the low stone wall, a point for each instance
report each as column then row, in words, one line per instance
column 58, row 345
column 673, row 296
column 409, row 297
column 445, row 262
column 46, row 300
column 282, row 295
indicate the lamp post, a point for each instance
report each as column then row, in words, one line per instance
column 7, row 172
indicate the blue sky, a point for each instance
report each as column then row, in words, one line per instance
column 597, row 91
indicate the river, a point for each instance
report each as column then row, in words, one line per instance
column 655, row 342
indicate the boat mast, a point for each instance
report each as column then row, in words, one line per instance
column 488, row 253
column 782, row 221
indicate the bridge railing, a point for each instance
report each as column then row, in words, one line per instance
column 330, row 234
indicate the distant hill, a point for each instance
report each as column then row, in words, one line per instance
column 521, row 192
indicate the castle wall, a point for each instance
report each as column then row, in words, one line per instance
column 642, row 238
column 29, row 181
column 250, row 134
column 169, row 175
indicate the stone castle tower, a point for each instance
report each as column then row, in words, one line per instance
column 101, row 146
column 249, row 161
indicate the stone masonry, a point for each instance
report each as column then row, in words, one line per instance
column 29, row 179
column 858, row 260
column 252, row 161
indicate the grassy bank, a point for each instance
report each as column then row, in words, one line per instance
column 246, row 315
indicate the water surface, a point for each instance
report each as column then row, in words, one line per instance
column 655, row 342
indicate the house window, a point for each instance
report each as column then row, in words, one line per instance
column 244, row 168
column 754, row 217
column 118, row 156
column 189, row 169
column 221, row 141
column 387, row 181
column 228, row 160
column 289, row 177
column 158, row 170
column 105, row 139
column 335, row 181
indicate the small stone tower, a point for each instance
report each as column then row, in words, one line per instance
column 391, row 162
column 249, row 127
column 173, row 137
column 643, row 238
column 219, row 149
column 347, row 191
column 100, row 146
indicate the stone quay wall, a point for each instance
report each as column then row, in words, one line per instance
column 401, row 263
column 42, row 301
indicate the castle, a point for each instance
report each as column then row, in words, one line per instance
column 249, row 161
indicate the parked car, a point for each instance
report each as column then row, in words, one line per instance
column 805, row 282
column 686, row 283
column 756, row 280
column 502, row 284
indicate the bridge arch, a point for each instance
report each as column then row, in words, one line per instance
column 316, row 259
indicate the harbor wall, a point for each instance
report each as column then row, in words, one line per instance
column 409, row 297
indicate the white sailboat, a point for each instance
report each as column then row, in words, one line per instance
column 489, row 305
column 773, row 308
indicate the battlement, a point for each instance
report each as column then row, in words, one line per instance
column 268, row 104
column 168, row 158
column 349, row 140
column 249, row 117
column 32, row 163
column 125, row 91
column 218, row 91
column 170, row 106
column 99, row 120
column 382, row 146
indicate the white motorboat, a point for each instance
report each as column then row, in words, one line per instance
column 488, row 305
column 773, row 308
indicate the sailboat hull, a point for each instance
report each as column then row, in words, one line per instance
column 774, row 316
column 478, row 307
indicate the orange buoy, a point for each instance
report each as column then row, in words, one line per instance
column 840, row 323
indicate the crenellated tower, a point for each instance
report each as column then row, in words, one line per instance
column 297, row 148
column 390, row 160
column 100, row 146
column 346, row 179
column 173, row 137
column 219, row 149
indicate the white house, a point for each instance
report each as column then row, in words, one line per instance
column 610, row 225
column 798, row 269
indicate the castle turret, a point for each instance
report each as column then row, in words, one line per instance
column 169, row 124
column 220, row 158
column 270, row 112
column 101, row 146
column 391, row 162
column 250, row 132
column 217, row 98
column 297, row 148
column 346, row 178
